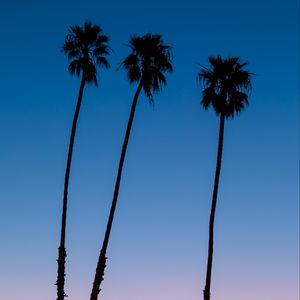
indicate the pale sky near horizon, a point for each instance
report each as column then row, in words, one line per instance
column 158, row 246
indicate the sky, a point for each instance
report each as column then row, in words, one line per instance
column 158, row 246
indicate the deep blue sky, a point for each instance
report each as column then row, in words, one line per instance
column 159, row 240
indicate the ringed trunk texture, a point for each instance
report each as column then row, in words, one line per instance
column 99, row 275
column 61, row 250
column 206, row 292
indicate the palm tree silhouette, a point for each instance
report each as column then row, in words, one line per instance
column 150, row 58
column 226, row 85
column 86, row 48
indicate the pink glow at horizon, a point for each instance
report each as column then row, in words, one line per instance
column 164, row 286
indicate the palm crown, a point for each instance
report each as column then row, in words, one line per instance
column 149, row 60
column 226, row 85
column 86, row 48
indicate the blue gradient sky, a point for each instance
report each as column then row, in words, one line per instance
column 159, row 240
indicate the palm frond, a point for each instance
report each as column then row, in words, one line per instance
column 86, row 47
column 149, row 59
column 226, row 85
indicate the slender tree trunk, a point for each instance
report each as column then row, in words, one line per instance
column 102, row 257
column 206, row 292
column 61, row 250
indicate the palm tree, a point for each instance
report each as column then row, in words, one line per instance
column 226, row 84
column 150, row 58
column 86, row 48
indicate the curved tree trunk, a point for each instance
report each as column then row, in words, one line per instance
column 102, row 257
column 206, row 292
column 61, row 250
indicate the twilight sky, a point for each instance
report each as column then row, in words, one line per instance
column 158, row 245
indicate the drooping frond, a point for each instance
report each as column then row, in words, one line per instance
column 86, row 48
column 149, row 59
column 226, row 85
